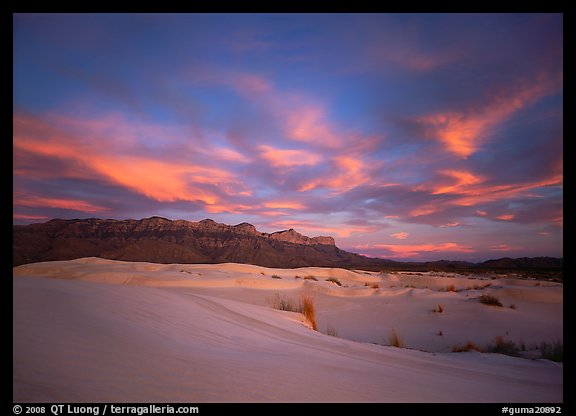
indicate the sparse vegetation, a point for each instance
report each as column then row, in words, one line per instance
column 305, row 306
column 185, row 271
column 439, row 309
column 480, row 287
column 275, row 276
column 451, row 288
column 395, row 339
column 310, row 277
column 553, row 351
column 308, row 310
column 297, row 277
column 330, row 330
column 469, row 346
column 375, row 286
column 284, row 304
column 490, row 300
column 503, row 347
column 334, row 280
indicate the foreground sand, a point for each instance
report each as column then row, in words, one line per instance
column 100, row 330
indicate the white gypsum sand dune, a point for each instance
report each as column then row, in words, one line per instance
column 101, row 330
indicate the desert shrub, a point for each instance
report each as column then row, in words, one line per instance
column 503, row 347
column 334, row 280
column 310, row 277
column 185, row 271
column 330, row 330
column 489, row 300
column 308, row 310
column 395, row 339
column 275, row 276
column 375, row 286
column 297, row 277
column 451, row 288
column 553, row 351
column 469, row 346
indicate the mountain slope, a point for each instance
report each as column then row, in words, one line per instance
column 161, row 240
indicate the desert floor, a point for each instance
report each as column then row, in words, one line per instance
column 94, row 330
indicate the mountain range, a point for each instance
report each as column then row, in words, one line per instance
column 160, row 240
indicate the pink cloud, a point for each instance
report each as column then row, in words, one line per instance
column 63, row 203
column 506, row 217
column 404, row 251
column 310, row 228
column 308, row 124
column 347, row 173
column 424, row 210
column 400, row 235
column 288, row 158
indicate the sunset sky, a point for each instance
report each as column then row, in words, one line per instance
column 403, row 136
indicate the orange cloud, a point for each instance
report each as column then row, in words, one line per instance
column 348, row 173
column 463, row 179
column 284, row 205
column 72, row 204
column 149, row 175
column 506, row 217
column 462, row 133
column 403, row 251
column 400, row 235
column 288, row 158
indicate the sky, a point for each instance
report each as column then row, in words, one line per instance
column 404, row 136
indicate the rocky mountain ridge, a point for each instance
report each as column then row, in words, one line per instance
column 161, row 240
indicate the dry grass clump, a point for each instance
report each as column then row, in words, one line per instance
column 330, row 330
column 439, row 309
column 275, row 276
column 305, row 306
column 310, row 277
column 308, row 310
column 334, row 280
column 375, row 286
column 490, row 300
column 451, row 288
column 395, row 339
column 469, row 346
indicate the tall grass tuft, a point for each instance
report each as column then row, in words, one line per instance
column 395, row 339
column 308, row 310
